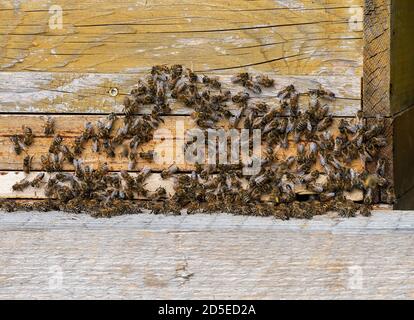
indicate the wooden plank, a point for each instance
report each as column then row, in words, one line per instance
column 405, row 201
column 9, row 160
column 386, row 153
column 292, row 37
column 39, row 92
column 70, row 126
column 403, row 152
column 71, row 256
column 9, row 178
column 154, row 181
column 402, row 64
column 377, row 38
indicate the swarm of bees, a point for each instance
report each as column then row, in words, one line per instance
column 321, row 165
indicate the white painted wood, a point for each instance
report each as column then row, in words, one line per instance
column 206, row 256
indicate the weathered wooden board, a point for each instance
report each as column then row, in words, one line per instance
column 7, row 179
column 56, row 255
column 402, row 70
column 388, row 67
column 10, row 161
column 403, row 153
column 291, row 37
column 405, row 201
column 36, row 92
column 377, row 68
column 70, row 126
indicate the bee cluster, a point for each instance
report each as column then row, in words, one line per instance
column 213, row 188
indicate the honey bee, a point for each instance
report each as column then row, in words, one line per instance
column 176, row 71
column 368, row 197
column 325, row 123
column 254, row 87
column 129, row 180
column 212, row 82
column 140, row 89
column 265, row 81
column 88, row 132
column 21, row 185
column 327, row 196
column 169, row 172
column 124, row 151
column 77, row 145
column 347, row 209
column 389, row 195
column 129, row 107
column 104, row 128
column 55, row 144
column 240, row 78
column 109, row 149
column 57, row 159
column 37, row 180
column 132, row 161
column 27, row 136
column 46, row 163
column 365, row 210
column 68, row 155
column 374, row 180
column 149, row 155
column 192, row 76
column 286, row 92
column 121, row 134
column 322, row 93
column 18, row 146
column 49, row 126
column 78, row 168
column 95, row 144
column 241, row 97
column 159, row 194
column 142, row 175
column 27, row 163
column 160, row 69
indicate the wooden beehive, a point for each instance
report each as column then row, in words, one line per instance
column 82, row 68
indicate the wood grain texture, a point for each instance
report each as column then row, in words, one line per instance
column 376, row 75
column 402, row 63
column 58, row 255
column 154, row 181
column 38, row 92
column 70, row 126
column 291, row 37
column 405, row 201
column 403, row 152
column 387, row 153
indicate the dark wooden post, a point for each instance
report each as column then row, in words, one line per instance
column 388, row 86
